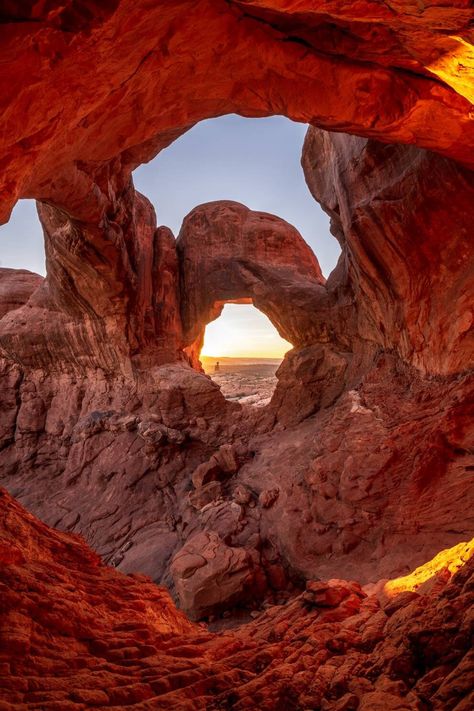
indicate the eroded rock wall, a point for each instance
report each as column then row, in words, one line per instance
column 362, row 460
column 110, row 297
column 404, row 219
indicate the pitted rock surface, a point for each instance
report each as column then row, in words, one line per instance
column 75, row 634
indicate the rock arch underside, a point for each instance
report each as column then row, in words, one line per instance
column 330, row 532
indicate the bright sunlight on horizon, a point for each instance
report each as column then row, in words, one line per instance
column 243, row 332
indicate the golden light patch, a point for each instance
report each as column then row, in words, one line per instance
column 243, row 332
column 451, row 559
column 455, row 66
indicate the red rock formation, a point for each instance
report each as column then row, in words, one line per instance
column 361, row 466
column 123, row 307
column 393, row 72
column 75, row 634
column 401, row 214
column 228, row 252
column 374, row 482
column 130, row 430
column 16, row 287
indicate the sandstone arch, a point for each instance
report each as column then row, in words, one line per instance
column 382, row 72
column 394, row 76
column 228, row 253
column 96, row 395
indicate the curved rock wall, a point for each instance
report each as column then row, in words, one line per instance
column 394, row 72
column 404, row 220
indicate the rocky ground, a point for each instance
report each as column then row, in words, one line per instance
column 244, row 382
column 75, row 634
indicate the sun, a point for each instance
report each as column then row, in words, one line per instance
column 243, row 332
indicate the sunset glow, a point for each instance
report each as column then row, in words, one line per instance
column 450, row 559
column 243, row 332
column 455, row 64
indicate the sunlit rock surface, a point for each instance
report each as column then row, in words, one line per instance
column 397, row 72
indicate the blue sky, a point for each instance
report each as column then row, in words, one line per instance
column 21, row 239
column 253, row 161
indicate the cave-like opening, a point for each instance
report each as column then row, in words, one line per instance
column 242, row 351
column 362, row 467
column 22, row 240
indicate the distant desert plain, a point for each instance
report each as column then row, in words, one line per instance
column 249, row 381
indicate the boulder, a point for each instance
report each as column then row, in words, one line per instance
column 210, row 575
column 221, row 465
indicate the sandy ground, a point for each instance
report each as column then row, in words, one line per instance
column 243, row 380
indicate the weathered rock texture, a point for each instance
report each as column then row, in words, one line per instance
column 398, row 71
column 404, row 218
column 361, row 465
column 75, row 634
column 16, row 287
column 229, row 253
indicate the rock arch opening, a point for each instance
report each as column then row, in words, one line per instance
column 256, row 162
column 21, row 238
column 241, row 352
column 227, row 252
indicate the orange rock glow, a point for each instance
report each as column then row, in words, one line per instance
column 450, row 560
column 263, row 523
